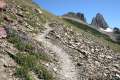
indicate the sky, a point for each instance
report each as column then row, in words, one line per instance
column 110, row 9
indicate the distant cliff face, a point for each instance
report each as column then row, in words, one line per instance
column 76, row 15
column 99, row 21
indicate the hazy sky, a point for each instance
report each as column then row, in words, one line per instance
column 109, row 8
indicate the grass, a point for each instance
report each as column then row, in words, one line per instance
column 22, row 73
column 16, row 40
column 86, row 28
column 28, row 60
column 24, row 46
column 1, row 19
column 89, row 30
column 29, row 63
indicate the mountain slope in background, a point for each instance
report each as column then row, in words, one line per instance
column 98, row 23
column 41, row 46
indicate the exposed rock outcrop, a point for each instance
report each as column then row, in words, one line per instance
column 99, row 21
column 76, row 15
column 2, row 4
column 3, row 33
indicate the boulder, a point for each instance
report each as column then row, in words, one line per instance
column 37, row 11
column 2, row 5
column 3, row 33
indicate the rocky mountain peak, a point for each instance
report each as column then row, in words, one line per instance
column 99, row 14
column 81, row 16
column 78, row 15
column 99, row 21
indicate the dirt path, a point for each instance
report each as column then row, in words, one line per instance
column 68, row 71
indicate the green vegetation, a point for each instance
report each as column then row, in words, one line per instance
column 24, row 46
column 30, row 63
column 86, row 28
column 89, row 30
column 16, row 40
column 28, row 60
column 1, row 19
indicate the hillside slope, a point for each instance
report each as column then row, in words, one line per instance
column 41, row 46
column 98, row 35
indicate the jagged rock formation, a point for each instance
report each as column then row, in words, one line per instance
column 79, row 16
column 99, row 21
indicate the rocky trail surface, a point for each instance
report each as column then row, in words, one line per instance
column 68, row 70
